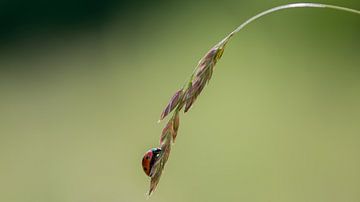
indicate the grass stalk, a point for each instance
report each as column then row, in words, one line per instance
column 186, row 96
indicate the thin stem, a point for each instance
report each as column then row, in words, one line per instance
column 287, row 6
column 208, row 61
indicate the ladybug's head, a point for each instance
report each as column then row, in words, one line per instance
column 149, row 159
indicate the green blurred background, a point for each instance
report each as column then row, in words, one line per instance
column 83, row 83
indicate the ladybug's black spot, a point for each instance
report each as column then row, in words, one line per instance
column 147, row 157
column 145, row 169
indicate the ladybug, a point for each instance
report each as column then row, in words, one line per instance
column 149, row 159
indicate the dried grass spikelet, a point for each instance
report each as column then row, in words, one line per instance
column 203, row 73
column 187, row 95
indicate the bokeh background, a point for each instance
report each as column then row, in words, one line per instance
column 83, row 83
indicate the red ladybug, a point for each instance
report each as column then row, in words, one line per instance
column 149, row 159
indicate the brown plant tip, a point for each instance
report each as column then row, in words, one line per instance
column 174, row 101
column 187, row 97
column 159, row 165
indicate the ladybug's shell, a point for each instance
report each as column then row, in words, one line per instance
column 149, row 159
